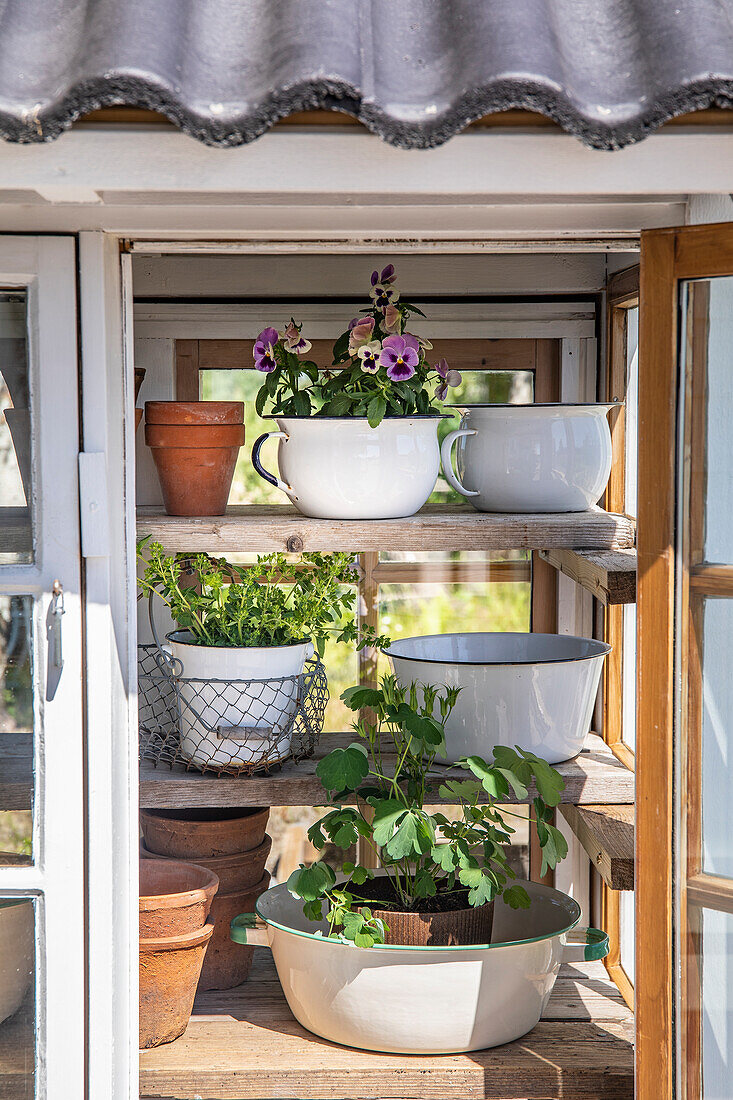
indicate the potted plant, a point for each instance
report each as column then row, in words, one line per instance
column 357, row 440
column 442, row 951
column 239, row 627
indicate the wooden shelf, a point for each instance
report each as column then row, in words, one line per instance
column 593, row 776
column 610, row 575
column 259, row 528
column 607, row 834
column 244, row 1043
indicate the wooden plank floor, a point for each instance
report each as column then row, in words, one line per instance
column 244, row 1044
column 261, row 528
column 595, row 775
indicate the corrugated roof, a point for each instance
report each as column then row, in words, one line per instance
column 416, row 72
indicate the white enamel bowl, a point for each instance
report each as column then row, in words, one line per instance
column 340, row 468
column 422, row 1000
column 532, row 690
column 530, row 458
column 17, row 950
column 237, row 725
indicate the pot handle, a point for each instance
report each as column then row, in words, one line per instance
column 585, row 945
column 261, row 469
column 249, row 929
column 445, row 457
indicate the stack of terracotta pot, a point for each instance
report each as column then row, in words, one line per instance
column 175, row 900
column 195, row 445
column 233, row 845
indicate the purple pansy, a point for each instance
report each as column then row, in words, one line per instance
column 448, row 378
column 293, row 341
column 354, row 321
column 384, row 295
column 400, row 356
column 387, row 276
column 360, row 334
column 264, row 350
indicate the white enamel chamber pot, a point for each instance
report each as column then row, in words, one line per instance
column 337, row 467
column 223, row 723
column 422, row 1000
column 536, row 691
column 530, row 458
column 17, row 953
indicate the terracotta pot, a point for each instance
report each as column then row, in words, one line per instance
column 203, row 833
column 169, row 971
column 226, row 963
column 236, row 872
column 195, row 463
column 175, row 897
column 447, row 928
column 139, row 376
column 194, row 412
column 138, row 418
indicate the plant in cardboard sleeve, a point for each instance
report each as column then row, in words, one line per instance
column 239, row 627
column 440, row 874
column 358, row 438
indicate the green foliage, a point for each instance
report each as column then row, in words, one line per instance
column 278, row 602
column 422, row 853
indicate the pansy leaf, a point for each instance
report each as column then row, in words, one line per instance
column 375, row 410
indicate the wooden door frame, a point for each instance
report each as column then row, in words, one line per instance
column 668, row 256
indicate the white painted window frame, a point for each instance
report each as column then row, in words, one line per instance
column 46, row 267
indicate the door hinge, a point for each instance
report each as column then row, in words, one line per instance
column 93, row 504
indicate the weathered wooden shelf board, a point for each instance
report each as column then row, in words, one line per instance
column 260, row 528
column 244, row 1044
column 595, row 775
column 607, row 834
column 610, row 575
column 16, row 771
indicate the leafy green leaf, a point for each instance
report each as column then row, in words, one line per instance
column 466, row 790
column 311, row 883
column 492, row 779
column 387, row 813
column 375, row 411
column 343, row 769
column 516, row 897
column 445, row 856
column 413, row 837
column 357, row 697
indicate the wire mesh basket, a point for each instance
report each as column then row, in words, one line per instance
column 228, row 727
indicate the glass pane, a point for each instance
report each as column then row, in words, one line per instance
column 717, row 742
column 707, row 309
column 16, row 729
column 717, row 1005
column 16, row 529
column 627, row 919
column 632, row 402
column 17, row 998
column 628, row 688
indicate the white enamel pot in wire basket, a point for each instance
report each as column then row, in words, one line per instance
column 237, row 704
column 338, row 467
column 422, row 1000
column 530, row 458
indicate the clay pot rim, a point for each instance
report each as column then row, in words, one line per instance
column 239, row 813
column 258, row 888
column 178, row 943
column 251, row 853
column 181, row 898
column 197, row 410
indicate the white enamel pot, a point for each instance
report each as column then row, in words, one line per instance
column 530, row 458
column 532, row 690
column 422, row 1000
column 17, row 953
column 225, row 723
column 340, row 468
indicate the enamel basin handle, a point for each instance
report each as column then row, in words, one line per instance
column 584, row 945
column 261, row 469
column 445, row 457
column 250, row 929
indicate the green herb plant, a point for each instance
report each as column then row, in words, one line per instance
column 273, row 603
column 424, row 854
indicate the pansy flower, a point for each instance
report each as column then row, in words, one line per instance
column 264, row 350
column 369, row 356
column 392, row 319
column 400, row 356
column 384, row 295
column 448, row 378
column 293, row 341
column 387, row 276
column 360, row 334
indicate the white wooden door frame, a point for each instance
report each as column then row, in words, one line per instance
column 46, row 266
column 111, row 670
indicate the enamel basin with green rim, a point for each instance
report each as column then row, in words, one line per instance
column 422, row 1000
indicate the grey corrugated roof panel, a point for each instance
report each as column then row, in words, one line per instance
column 416, row 72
